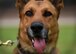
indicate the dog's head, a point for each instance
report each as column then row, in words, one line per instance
column 39, row 22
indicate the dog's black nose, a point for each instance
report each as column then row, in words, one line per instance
column 36, row 27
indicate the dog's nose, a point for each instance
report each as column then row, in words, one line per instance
column 36, row 27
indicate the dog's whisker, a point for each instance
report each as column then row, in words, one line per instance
column 49, row 32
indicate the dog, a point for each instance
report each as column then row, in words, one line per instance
column 38, row 27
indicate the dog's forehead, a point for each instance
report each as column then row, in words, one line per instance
column 39, row 4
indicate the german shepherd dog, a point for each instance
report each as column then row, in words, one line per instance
column 38, row 27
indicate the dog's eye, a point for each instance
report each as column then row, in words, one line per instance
column 29, row 13
column 47, row 14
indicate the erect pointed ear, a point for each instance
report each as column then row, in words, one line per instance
column 21, row 3
column 58, row 3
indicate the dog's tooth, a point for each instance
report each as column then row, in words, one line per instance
column 32, row 40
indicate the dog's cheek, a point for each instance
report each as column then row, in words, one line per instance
column 52, row 38
column 24, row 38
column 23, row 33
column 24, row 21
column 53, row 30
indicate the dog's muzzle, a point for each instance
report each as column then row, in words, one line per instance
column 38, row 35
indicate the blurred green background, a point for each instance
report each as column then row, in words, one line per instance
column 66, row 41
column 9, row 22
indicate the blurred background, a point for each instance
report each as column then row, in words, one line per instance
column 9, row 22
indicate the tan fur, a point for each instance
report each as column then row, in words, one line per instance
column 50, row 23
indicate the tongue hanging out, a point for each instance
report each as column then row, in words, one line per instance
column 39, row 45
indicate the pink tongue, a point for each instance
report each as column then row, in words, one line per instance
column 39, row 45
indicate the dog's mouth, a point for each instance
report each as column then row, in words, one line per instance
column 39, row 45
column 38, row 36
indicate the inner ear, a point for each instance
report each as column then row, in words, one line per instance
column 57, row 3
column 21, row 3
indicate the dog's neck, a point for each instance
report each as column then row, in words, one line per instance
column 23, row 51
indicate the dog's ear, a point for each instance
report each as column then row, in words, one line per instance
column 21, row 3
column 58, row 3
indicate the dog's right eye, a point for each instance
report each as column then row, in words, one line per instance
column 29, row 13
column 47, row 14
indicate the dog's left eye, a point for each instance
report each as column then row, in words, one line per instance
column 29, row 13
column 47, row 14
